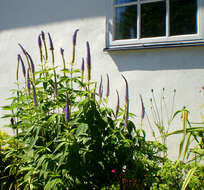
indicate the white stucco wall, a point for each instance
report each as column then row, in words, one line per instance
column 170, row 68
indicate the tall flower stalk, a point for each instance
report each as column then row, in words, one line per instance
column 32, row 67
column 35, row 102
column 41, row 53
column 73, row 53
column 22, row 66
column 63, row 61
column 25, row 53
column 28, row 82
column 82, row 70
column 117, row 105
column 67, row 109
column 51, row 49
column 100, row 91
column 74, row 45
column 126, row 102
column 88, row 61
column 108, row 86
column 142, row 110
column 45, row 46
column 53, row 64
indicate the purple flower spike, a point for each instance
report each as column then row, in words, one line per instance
column 82, row 66
column 62, row 52
column 67, row 110
column 88, row 59
column 34, row 95
column 39, row 42
column 118, row 105
column 43, row 35
column 101, row 88
column 74, row 37
column 22, row 64
column 143, row 108
column 31, row 63
column 22, row 48
column 28, row 81
column 108, row 86
column 126, row 101
column 51, row 44
column 126, row 91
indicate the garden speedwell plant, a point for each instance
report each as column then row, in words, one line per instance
column 65, row 135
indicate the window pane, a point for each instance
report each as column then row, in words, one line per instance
column 183, row 17
column 123, row 1
column 153, row 19
column 126, row 22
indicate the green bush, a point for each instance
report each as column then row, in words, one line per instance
column 67, row 137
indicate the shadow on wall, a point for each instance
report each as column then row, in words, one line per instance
column 22, row 13
column 160, row 59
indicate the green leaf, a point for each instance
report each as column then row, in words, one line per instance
column 188, row 178
column 52, row 183
column 188, row 130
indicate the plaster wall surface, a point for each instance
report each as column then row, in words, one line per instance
column 170, row 68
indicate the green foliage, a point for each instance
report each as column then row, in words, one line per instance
column 191, row 134
column 171, row 176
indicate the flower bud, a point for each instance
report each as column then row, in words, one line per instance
column 88, row 59
column 74, row 37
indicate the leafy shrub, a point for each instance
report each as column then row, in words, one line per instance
column 67, row 137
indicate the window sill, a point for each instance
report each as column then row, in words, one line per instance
column 152, row 46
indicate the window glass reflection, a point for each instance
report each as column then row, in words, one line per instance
column 183, row 17
column 153, row 16
column 123, row 1
column 126, row 22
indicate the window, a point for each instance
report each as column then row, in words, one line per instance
column 154, row 22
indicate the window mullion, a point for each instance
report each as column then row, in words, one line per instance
column 167, row 18
column 113, row 21
column 138, row 20
column 125, row 4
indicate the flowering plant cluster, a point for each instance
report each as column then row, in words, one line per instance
column 66, row 137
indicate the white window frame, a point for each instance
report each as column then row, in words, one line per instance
column 163, row 41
